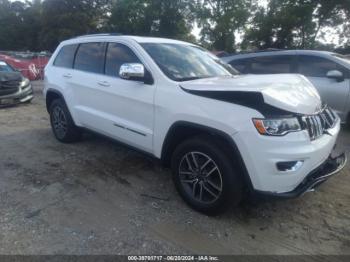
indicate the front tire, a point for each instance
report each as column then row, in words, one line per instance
column 62, row 123
column 205, row 176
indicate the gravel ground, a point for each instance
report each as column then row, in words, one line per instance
column 97, row 197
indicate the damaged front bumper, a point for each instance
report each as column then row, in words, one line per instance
column 24, row 95
column 329, row 168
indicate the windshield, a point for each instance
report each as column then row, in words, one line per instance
column 5, row 67
column 182, row 62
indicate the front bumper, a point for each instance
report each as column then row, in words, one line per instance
column 329, row 168
column 22, row 96
column 262, row 154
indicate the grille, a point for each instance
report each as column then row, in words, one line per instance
column 316, row 125
column 9, row 87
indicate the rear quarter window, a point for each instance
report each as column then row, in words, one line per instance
column 65, row 56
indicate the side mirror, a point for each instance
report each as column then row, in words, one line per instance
column 336, row 75
column 132, row 71
column 135, row 72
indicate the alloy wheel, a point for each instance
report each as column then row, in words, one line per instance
column 200, row 177
column 59, row 122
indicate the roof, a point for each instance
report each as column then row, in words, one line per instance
column 277, row 52
column 138, row 39
column 142, row 39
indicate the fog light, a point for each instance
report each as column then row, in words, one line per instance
column 289, row 166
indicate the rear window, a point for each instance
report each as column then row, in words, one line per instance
column 90, row 57
column 65, row 56
column 272, row 65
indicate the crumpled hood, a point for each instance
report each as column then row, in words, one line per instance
column 10, row 76
column 289, row 92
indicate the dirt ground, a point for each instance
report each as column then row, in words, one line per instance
column 97, row 197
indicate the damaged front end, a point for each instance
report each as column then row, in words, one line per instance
column 14, row 89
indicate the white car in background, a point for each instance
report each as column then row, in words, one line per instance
column 328, row 72
column 222, row 133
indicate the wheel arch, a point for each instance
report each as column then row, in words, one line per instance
column 182, row 130
column 52, row 95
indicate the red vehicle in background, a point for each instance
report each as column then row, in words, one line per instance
column 31, row 65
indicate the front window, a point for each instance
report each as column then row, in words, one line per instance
column 118, row 54
column 4, row 67
column 314, row 66
column 182, row 62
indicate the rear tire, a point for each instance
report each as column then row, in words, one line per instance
column 205, row 176
column 62, row 123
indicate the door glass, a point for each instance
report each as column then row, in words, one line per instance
column 90, row 57
column 118, row 54
column 314, row 66
column 272, row 65
column 65, row 56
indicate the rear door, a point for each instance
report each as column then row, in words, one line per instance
column 332, row 92
column 84, row 89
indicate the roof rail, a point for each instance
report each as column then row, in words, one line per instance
column 102, row 34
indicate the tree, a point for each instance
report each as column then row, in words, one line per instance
column 129, row 17
column 41, row 24
column 63, row 19
column 32, row 25
column 221, row 20
column 152, row 18
column 294, row 23
column 11, row 24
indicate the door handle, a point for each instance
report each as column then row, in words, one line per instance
column 67, row 75
column 104, row 83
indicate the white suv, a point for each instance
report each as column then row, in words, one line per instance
column 222, row 133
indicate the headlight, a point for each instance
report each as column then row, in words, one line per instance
column 277, row 127
column 25, row 82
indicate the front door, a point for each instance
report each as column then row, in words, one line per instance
column 332, row 92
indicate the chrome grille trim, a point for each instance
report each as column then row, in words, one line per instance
column 316, row 125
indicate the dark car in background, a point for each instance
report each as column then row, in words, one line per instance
column 14, row 87
column 328, row 72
